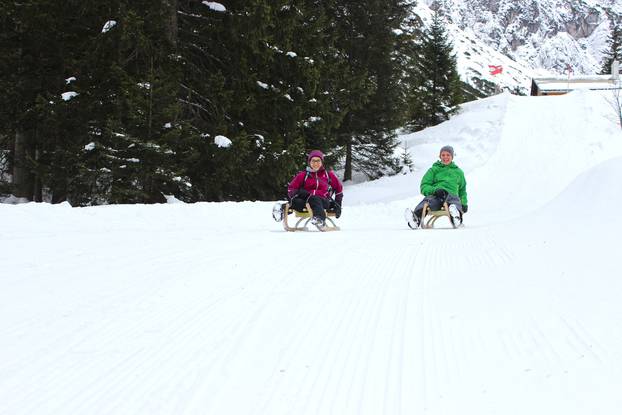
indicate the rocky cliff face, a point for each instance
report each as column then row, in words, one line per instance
column 548, row 34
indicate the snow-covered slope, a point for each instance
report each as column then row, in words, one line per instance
column 212, row 309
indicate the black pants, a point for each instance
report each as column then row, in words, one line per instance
column 318, row 205
column 435, row 203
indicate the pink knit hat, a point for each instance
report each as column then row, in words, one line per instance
column 315, row 153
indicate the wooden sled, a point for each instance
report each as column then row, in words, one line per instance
column 428, row 216
column 303, row 219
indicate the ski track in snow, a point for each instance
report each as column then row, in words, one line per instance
column 212, row 309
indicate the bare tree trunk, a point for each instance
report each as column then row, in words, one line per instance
column 171, row 30
column 616, row 103
column 150, row 115
column 347, row 173
column 37, row 190
column 619, row 107
column 23, row 180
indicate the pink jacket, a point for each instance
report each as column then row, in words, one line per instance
column 316, row 183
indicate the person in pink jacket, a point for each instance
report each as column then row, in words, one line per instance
column 316, row 186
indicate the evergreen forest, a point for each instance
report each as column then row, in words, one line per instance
column 123, row 101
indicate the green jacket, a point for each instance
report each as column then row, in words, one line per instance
column 449, row 177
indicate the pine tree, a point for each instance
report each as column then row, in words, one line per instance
column 614, row 48
column 265, row 78
column 126, row 79
column 8, row 63
column 38, row 48
column 229, row 57
column 438, row 90
column 373, row 35
column 94, row 87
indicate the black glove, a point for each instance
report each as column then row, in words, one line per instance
column 303, row 194
column 337, row 210
column 441, row 194
column 465, row 208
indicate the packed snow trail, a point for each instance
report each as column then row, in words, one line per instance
column 212, row 308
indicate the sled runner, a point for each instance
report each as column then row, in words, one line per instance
column 303, row 219
column 428, row 216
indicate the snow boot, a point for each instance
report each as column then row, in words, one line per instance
column 455, row 216
column 412, row 219
column 318, row 222
column 278, row 211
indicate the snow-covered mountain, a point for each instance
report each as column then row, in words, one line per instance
column 476, row 60
column 546, row 34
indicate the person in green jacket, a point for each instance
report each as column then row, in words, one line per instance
column 443, row 182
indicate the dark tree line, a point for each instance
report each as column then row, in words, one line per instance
column 614, row 47
column 128, row 101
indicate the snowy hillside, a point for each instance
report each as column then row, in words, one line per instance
column 475, row 59
column 212, row 308
column 547, row 34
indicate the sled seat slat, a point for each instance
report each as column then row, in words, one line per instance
column 306, row 214
column 437, row 213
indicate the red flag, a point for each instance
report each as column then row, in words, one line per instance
column 495, row 69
